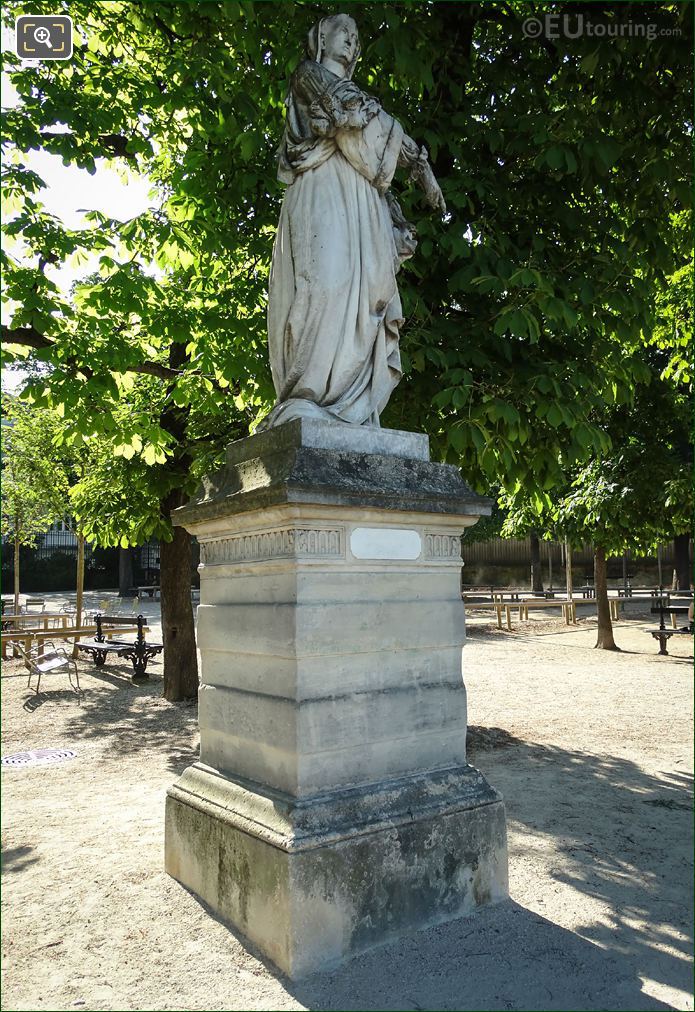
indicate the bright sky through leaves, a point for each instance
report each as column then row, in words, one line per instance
column 69, row 192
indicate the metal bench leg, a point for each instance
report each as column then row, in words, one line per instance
column 140, row 669
column 77, row 679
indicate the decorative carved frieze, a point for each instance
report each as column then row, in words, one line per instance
column 284, row 543
column 443, row 546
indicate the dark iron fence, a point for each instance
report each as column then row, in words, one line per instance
column 54, row 567
column 52, row 564
column 511, row 552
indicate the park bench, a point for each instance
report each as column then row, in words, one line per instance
column 45, row 619
column 516, row 595
column 674, row 610
column 138, row 652
column 615, row 604
column 501, row 608
column 569, row 608
column 153, row 591
column 662, row 634
column 52, row 662
column 496, row 606
column 498, row 594
column 27, row 637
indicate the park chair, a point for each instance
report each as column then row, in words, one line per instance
column 53, row 661
column 71, row 610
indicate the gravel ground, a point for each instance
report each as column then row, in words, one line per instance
column 592, row 751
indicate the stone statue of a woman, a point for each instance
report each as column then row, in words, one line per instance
column 333, row 307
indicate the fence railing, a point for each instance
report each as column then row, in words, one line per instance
column 517, row 551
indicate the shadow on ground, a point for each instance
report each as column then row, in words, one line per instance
column 616, row 827
column 38, row 699
column 123, row 717
column 16, row 859
column 530, row 632
column 598, row 827
column 502, row 957
column 610, row 822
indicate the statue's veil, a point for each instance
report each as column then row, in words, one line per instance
column 315, row 39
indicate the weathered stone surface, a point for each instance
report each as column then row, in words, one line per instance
column 314, row 881
column 333, row 306
column 364, row 467
column 322, row 435
column 332, row 807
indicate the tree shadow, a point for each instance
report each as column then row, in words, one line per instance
column 38, row 699
column 127, row 717
column 509, row 957
column 622, row 836
column 16, row 859
column 522, row 634
column 178, row 761
column 501, row 957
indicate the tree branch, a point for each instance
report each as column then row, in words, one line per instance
column 29, row 337
column 156, row 369
column 115, row 144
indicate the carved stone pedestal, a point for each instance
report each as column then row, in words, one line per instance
column 332, row 808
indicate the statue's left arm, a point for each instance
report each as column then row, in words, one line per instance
column 416, row 159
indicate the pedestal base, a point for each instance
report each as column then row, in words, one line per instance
column 333, row 809
column 316, row 880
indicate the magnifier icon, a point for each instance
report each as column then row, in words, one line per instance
column 43, row 36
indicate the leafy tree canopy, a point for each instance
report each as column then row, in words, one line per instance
column 35, row 480
column 562, row 162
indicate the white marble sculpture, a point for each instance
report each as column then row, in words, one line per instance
column 333, row 308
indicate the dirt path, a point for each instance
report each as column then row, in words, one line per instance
column 593, row 752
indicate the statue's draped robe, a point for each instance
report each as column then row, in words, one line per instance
column 334, row 308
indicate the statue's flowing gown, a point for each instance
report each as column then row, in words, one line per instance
column 334, row 309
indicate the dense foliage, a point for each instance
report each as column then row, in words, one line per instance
column 34, row 483
column 563, row 162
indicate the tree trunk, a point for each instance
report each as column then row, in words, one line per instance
column 178, row 631
column 681, row 562
column 79, row 587
column 125, row 572
column 605, row 639
column 568, row 570
column 536, row 573
column 16, row 567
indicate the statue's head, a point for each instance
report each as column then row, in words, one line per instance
column 335, row 38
